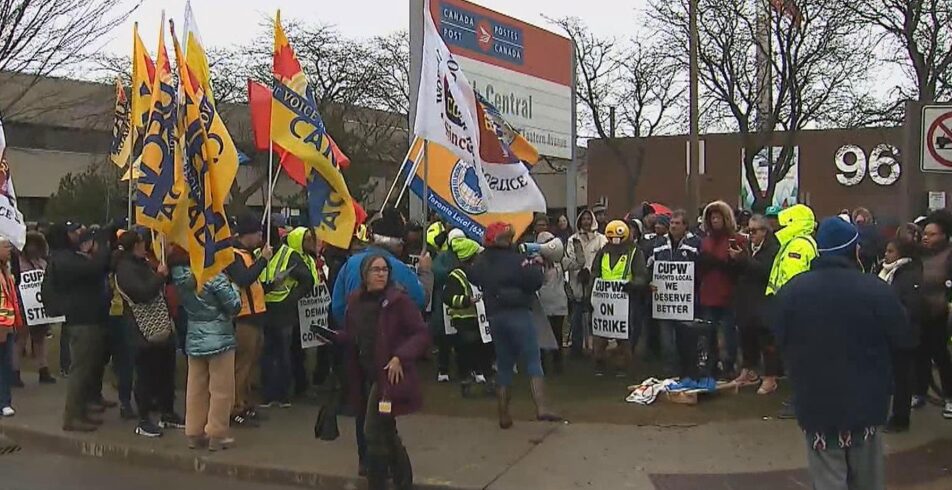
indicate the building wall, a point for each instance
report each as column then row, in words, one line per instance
column 663, row 178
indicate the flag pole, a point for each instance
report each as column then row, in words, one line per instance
column 406, row 182
column 267, row 207
column 396, row 179
column 131, row 173
column 426, row 189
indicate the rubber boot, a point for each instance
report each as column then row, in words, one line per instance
column 538, row 396
column 502, row 404
column 401, row 469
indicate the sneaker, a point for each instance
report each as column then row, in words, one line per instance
column 242, row 422
column 284, row 404
column 252, row 414
column 918, row 401
column 171, row 420
column 8, row 412
column 599, row 369
column 443, row 378
column 480, row 379
column 684, row 384
column 620, row 374
column 218, row 444
column 947, row 411
column 148, row 429
column 267, row 404
column 787, row 412
column 45, row 377
column 64, row 373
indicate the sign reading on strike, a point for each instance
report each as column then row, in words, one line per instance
column 313, row 310
column 33, row 310
column 610, row 309
column 673, row 298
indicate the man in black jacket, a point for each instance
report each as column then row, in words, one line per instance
column 79, row 266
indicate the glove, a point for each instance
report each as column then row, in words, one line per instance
column 631, row 288
column 584, row 276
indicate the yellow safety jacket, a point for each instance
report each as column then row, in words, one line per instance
column 621, row 271
column 456, row 304
column 279, row 263
column 797, row 246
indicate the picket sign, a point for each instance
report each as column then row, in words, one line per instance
column 33, row 310
column 673, row 297
column 610, row 310
column 482, row 316
column 313, row 309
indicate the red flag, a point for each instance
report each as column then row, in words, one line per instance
column 361, row 214
column 259, row 101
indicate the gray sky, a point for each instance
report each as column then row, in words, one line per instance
column 226, row 22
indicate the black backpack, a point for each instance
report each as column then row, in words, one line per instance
column 53, row 301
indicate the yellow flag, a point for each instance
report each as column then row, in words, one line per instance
column 121, row 146
column 209, row 236
column 297, row 127
column 143, row 77
column 134, row 168
column 158, row 190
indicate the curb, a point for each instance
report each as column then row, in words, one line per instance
column 199, row 465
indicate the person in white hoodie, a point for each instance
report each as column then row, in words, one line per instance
column 579, row 253
column 552, row 294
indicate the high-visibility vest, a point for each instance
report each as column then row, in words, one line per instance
column 794, row 258
column 9, row 308
column 252, row 297
column 455, row 309
column 278, row 264
column 621, row 271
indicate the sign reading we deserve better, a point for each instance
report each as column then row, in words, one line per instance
column 610, row 310
column 33, row 310
column 313, row 310
column 673, row 298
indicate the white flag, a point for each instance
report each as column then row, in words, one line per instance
column 12, row 226
column 446, row 104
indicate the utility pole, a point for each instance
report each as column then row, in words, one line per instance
column 693, row 180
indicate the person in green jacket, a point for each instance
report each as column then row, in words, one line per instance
column 443, row 263
column 797, row 246
column 460, row 298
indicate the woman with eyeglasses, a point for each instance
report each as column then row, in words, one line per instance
column 383, row 336
column 756, row 259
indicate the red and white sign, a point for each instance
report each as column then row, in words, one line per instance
column 523, row 70
column 936, row 138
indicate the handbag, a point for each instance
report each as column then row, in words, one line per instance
column 325, row 426
column 152, row 318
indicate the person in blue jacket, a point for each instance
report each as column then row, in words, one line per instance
column 387, row 241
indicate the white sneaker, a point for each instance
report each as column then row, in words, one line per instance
column 946, row 412
column 8, row 412
column 480, row 379
column 443, row 378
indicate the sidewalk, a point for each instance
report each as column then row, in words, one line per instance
column 465, row 453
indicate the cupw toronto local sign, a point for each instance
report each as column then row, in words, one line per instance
column 610, row 309
column 673, row 296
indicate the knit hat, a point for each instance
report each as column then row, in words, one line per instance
column 664, row 220
column 836, row 237
column 498, row 235
column 772, row 211
column 465, row 249
column 247, row 224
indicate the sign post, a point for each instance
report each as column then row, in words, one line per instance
column 673, row 298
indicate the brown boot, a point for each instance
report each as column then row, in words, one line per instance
column 502, row 404
column 79, row 426
column 538, row 396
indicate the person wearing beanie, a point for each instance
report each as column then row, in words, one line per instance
column 837, row 328
column 509, row 281
column 579, row 253
column 244, row 272
column 459, row 303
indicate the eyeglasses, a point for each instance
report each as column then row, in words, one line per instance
column 379, row 270
column 757, row 229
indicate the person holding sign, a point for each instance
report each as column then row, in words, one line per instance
column 460, row 298
column 620, row 271
column 28, row 271
column 10, row 316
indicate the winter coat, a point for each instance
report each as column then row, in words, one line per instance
column 284, row 313
column 401, row 334
column 836, row 328
column 80, row 283
column 579, row 253
column 443, row 264
column 210, row 328
column 687, row 250
column 552, row 294
column 508, row 282
column 348, row 281
column 141, row 284
column 750, row 297
column 797, row 246
column 717, row 272
column 907, row 283
column 244, row 276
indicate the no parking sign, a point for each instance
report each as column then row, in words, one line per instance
column 936, row 138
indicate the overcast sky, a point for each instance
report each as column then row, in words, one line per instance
column 226, row 22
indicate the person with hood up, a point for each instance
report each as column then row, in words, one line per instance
column 797, row 246
column 210, row 347
column 552, row 294
column 579, row 253
column 717, row 277
column 621, row 260
column 289, row 276
column 445, row 261
column 837, row 328
column 509, row 281
column 460, row 298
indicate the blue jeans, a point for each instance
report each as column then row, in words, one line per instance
column 6, row 369
column 578, row 331
column 723, row 320
column 121, row 352
column 670, row 354
column 515, row 338
column 276, row 364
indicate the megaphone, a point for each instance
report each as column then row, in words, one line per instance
column 552, row 250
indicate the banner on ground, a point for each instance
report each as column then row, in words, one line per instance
column 313, row 310
column 33, row 310
column 12, row 226
column 673, row 298
column 610, row 305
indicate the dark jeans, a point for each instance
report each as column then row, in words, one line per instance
column 6, row 368
column 298, row 357
column 902, row 385
column 64, row 354
column 87, row 343
column 119, row 347
column 276, row 364
column 155, row 378
column 474, row 357
column 384, row 448
column 722, row 320
column 445, row 345
column 757, row 342
column 933, row 349
column 694, row 346
column 579, row 329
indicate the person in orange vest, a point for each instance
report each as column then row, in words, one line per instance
column 10, row 319
column 244, row 272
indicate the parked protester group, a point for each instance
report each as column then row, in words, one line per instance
column 855, row 319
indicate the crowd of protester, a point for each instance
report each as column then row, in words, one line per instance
column 866, row 326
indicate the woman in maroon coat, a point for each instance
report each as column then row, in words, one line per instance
column 384, row 335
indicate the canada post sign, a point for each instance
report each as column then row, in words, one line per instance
column 477, row 33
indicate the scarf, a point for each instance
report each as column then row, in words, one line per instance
column 889, row 270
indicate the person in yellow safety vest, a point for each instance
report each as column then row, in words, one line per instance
column 291, row 274
column 620, row 260
column 797, row 246
column 473, row 356
column 436, row 237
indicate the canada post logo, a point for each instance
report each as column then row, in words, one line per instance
column 485, row 35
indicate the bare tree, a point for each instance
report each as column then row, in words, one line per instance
column 625, row 89
column 51, row 37
column 765, row 71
